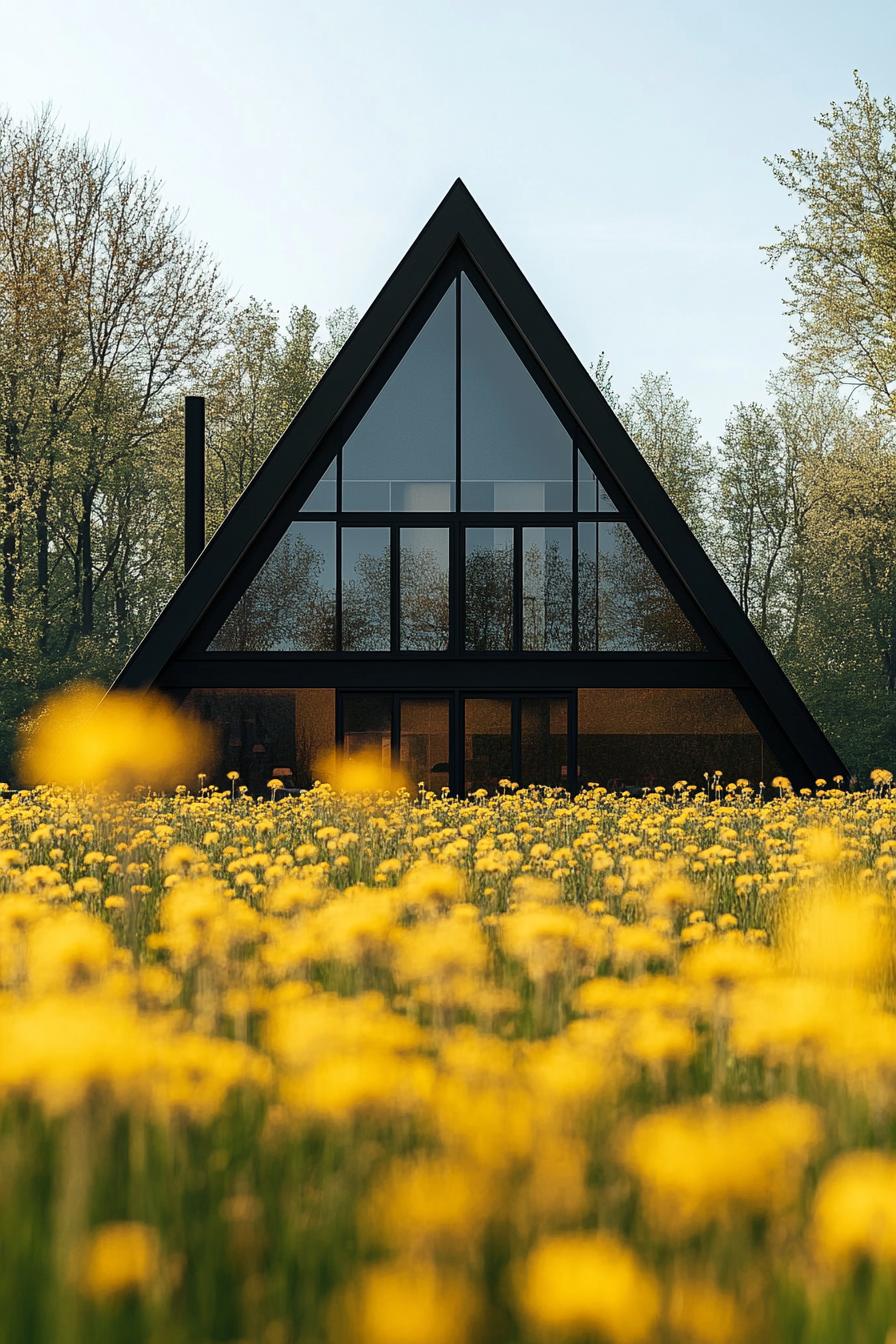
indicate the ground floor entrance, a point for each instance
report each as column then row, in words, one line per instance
column 466, row 739
column 460, row 740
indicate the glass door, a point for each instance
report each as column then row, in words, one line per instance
column 463, row 741
column 424, row 740
column 488, row 741
column 524, row 738
column 543, row 740
column 412, row 730
column 366, row 724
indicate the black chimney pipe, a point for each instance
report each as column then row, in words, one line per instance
column 194, row 479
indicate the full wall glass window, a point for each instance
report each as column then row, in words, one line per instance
column 515, row 454
column 424, row 588
column 547, row 588
column 402, row 457
column 488, row 589
column 290, row 605
column 366, row 583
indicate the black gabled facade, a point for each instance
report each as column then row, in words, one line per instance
column 456, row 556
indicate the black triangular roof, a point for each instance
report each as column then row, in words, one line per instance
column 459, row 222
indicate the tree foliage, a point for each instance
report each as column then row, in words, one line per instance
column 841, row 253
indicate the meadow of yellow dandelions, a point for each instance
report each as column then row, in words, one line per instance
column 391, row 1068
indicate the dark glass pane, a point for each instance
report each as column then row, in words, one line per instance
column 424, row 742
column 424, row 588
column 547, row 588
column 544, row 744
column 290, row 605
column 587, row 596
column 366, row 569
column 592, row 495
column 315, row 730
column 515, row 453
column 267, row 734
column 488, row 587
column 635, row 610
column 323, row 497
column 488, row 754
column 367, row 725
column 631, row 739
column 403, row 454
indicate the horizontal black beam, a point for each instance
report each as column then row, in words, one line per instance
column 491, row 671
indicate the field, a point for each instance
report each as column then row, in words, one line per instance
column 389, row 1069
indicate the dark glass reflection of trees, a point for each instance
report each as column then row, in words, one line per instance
column 547, row 593
column 366, row 603
column 636, row 612
column 489, row 596
column 289, row 606
column 425, row 600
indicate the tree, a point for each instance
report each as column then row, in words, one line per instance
column 754, row 513
column 107, row 311
column 667, row 432
column 600, row 372
column 842, row 252
column 258, row 380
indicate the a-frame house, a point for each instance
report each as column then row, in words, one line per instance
column 456, row 556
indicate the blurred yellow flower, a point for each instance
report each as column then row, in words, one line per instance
column 854, row 1215
column 364, row 772
column 576, row 1284
column 407, row 1302
column 81, row 737
column 698, row 1164
column 120, row 1258
column 698, row 1312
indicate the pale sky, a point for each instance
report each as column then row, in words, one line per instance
column 617, row 148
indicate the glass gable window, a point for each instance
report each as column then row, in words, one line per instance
column 402, row 457
column 366, row 585
column 515, row 453
column 488, row 589
column 424, row 591
column 547, row 588
column 290, row 605
column 584, row 586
